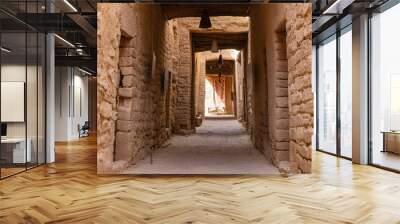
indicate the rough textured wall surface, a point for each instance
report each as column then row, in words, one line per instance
column 239, row 68
column 259, row 125
column 131, row 98
column 298, row 39
column 185, row 110
column 199, row 74
column 281, row 68
column 136, row 113
column 278, row 103
column 108, row 37
column 273, row 56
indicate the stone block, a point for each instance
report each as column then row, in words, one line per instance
column 282, row 124
column 127, row 70
column 126, row 126
column 127, row 81
column 125, row 92
column 281, row 54
column 281, row 135
column 282, row 83
column 127, row 52
column 282, row 75
column 282, row 146
column 282, row 102
column 123, row 146
column 281, row 92
column 124, row 113
column 282, row 66
column 105, row 109
column 127, row 41
column 127, row 61
column 281, row 155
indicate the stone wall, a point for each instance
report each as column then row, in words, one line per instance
column 298, row 39
column 259, row 103
column 278, row 103
column 200, row 74
column 239, row 68
column 281, row 68
column 185, row 111
column 131, row 101
column 136, row 114
column 108, row 37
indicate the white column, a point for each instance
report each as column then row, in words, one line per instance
column 50, row 100
column 360, row 90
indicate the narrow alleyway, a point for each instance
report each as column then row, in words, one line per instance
column 220, row 146
column 172, row 70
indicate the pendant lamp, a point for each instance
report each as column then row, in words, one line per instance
column 214, row 46
column 205, row 21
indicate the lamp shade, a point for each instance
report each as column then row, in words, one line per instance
column 205, row 21
column 214, row 46
column 220, row 60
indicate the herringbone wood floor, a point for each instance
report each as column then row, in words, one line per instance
column 69, row 191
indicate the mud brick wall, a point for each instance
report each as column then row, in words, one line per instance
column 281, row 67
column 301, row 105
column 131, row 100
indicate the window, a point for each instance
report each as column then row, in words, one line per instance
column 327, row 95
column 334, row 109
column 385, row 89
column 314, row 88
column 22, row 77
column 346, row 92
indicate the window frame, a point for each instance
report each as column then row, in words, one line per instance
column 381, row 9
column 334, row 37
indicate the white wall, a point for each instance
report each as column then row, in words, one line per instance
column 79, row 118
column 61, row 103
column 12, row 73
column 33, row 127
column 70, row 83
column 16, row 73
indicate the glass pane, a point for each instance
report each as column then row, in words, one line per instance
column 314, row 85
column 41, row 99
column 346, row 94
column 13, row 86
column 385, row 114
column 31, row 97
column 327, row 96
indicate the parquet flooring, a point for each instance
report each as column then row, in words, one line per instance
column 70, row 191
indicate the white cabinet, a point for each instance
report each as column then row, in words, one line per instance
column 17, row 145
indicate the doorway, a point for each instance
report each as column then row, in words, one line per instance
column 219, row 91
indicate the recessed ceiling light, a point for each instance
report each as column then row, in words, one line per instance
column 64, row 40
column 5, row 50
column 84, row 71
column 337, row 7
column 70, row 5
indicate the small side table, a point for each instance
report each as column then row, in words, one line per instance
column 391, row 141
